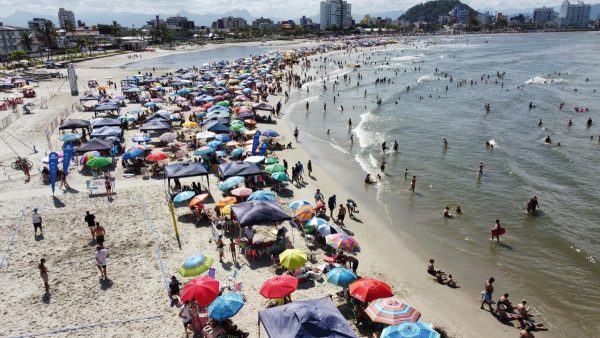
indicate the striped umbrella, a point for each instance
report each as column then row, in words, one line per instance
column 410, row 330
column 392, row 311
column 298, row 203
column 344, row 242
column 195, row 265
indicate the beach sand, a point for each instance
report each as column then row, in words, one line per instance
column 145, row 253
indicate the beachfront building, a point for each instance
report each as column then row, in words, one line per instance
column 37, row 24
column 336, row 14
column 229, row 23
column 65, row 16
column 263, row 23
column 179, row 22
column 574, row 15
column 10, row 40
column 544, row 15
column 485, row 18
column 459, row 14
column 368, row 20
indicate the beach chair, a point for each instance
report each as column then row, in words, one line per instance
column 91, row 186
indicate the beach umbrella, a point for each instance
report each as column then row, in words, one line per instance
column 230, row 183
column 236, row 127
column 195, row 265
column 190, row 124
column 304, row 213
column 271, row 160
column 149, row 104
column 132, row 153
column 279, row 286
column 241, row 192
column 315, row 222
column 280, row 177
column 298, row 203
column 141, row 138
column 344, row 242
column 88, row 156
column 221, row 153
column 226, row 306
column 168, row 137
column 99, row 162
column 70, row 137
column 203, row 151
column 410, row 330
column 226, row 210
column 292, row 258
column 273, row 168
column 392, row 311
column 341, row 277
column 236, row 152
column 226, row 201
column 205, row 135
column 223, row 138
column 270, row 133
column 214, row 144
column 157, row 157
column 368, row 289
column 183, row 196
column 204, row 289
column 328, row 229
column 198, row 199
column 262, row 195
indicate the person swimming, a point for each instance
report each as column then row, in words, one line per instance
column 540, row 123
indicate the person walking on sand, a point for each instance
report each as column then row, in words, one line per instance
column 331, row 203
column 232, row 250
column 44, row 274
column 25, row 168
column 36, row 219
column 99, row 233
column 220, row 248
column 309, row 167
column 413, row 183
column 487, row 293
column 296, row 133
column 185, row 316
column 101, row 260
column 341, row 214
column 108, row 187
column 174, row 290
column 90, row 220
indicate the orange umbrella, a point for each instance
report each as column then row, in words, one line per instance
column 197, row 199
column 304, row 213
column 226, row 201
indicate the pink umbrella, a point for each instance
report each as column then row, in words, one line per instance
column 241, row 192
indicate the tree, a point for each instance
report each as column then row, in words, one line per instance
column 17, row 55
column 501, row 22
column 116, row 29
column 27, row 40
column 48, row 35
column 104, row 29
column 69, row 27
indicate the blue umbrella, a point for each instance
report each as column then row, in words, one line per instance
column 184, row 196
column 410, row 330
column 221, row 153
column 70, row 137
column 132, row 153
column 230, row 183
column 223, row 138
column 297, row 204
column 341, row 277
column 149, row 104
column 316, row 222
column 236, row 152
column 270, row 133
column 214, row 144
column 204, row 151
column 141, row 138
column 226, row 306
column 262, row 195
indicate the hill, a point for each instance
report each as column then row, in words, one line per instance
column 431, row 10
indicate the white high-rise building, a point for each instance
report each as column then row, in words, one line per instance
column 64, row 16
column 544, row 15
column 335, row 13
column 574, row 15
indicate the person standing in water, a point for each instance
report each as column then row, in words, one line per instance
column 445, row 143
column 349, row 123
column 496, row 231
column 413, row 183
column 480, row 167
column 395, row 145
column 384, row 147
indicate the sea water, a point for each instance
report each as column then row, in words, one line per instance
column 549, row 258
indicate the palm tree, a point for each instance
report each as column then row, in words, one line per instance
column 27, row 40
column 116, row 29
column 48, row 35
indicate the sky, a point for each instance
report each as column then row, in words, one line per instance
column 269, row 8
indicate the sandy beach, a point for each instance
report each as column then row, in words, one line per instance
column 144, row 253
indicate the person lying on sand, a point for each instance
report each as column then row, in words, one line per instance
column 504, row 316
column 506, row 302
column 440, row 277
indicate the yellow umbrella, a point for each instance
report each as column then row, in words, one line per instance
column 292, row 258
column 226, row 210
column 190, row 124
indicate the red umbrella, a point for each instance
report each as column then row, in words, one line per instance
column 279, row 286
column 204, row 289
column 156, row 157
column 368, row 289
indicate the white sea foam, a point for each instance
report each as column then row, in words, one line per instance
column 367, row 138
column 428, row 77
column 543, row 80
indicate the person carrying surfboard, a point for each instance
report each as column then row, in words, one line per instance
column 497, row 231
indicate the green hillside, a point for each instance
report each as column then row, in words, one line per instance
column 431, row 10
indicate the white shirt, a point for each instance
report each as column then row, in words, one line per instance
column 36, row 218
column 101, row 256
column 186, row 314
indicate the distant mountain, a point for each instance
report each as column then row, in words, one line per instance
column 20, row 18
column 431, row 10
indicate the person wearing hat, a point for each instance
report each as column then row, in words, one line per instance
column 36, row 219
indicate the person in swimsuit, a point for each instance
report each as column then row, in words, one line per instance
column 413, row 183
column 233, row 251
column 447, row 213
column 487, row 293
column 90, row 220
column 108, row 187
column 341, row 214
column 220, row 247
column 44, row 274
column 99, row 232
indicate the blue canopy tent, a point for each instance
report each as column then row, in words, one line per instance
column 75, row 124
column 95, row 145
column 108, row 122
column 90, row 97
column 186, row 169
column 104, row 132
column 238, row 168
column 159, row 116
column 156, row 125
column 106, row 108
column 305, row 318
column 259, row 212
column 218, row 127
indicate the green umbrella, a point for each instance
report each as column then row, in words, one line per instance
column 280, row 176
column 224, row 103
column 237, row 127
column 99, row 162
column 273, row 168
column 271, row 160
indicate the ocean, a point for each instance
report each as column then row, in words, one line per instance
column 548, row 259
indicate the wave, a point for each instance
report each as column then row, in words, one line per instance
column 543, row 80
column 428, row 77
column 408, row 58
column 365, row 137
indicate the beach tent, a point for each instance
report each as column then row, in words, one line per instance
column 75, row 124
column 95, row 145
column 156, row 125
column 262, row 106
column 104, row 132
column 186, row 169
column 106, row 107
column 218, row 127
column 238, row 168
column 90, row 97
column 259, row 212
column 107, row 122
column 305, row 318
column 164, row 116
